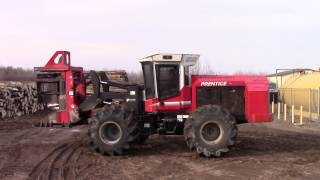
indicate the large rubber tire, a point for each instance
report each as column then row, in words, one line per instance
column 211, row 131
column 113, row 130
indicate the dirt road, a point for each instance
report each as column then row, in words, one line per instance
column 263, row 151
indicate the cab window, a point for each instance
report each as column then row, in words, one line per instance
column 148, row 80
column 167, row 80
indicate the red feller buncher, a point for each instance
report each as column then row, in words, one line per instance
column 204, row 108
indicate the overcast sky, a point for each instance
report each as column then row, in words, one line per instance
column 231, row 35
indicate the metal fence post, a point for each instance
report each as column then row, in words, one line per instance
column 292, row 114
column 318, row 108
column 279, row 110
column 272, row 107
column 291, row 97
column 301, row 115
column 285, row 112
column 310, row 117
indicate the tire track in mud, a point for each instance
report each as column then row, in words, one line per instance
column 11, row 151
column 60, row 163
column 26, row 133
column 10, row 165
column 83, row 169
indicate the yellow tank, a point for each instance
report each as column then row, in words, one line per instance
column 303, row 81
column 299, row 89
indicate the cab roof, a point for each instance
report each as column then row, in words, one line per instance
column 187, row 59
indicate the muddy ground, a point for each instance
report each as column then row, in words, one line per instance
column 263, row 151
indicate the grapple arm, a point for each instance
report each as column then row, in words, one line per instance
column 98, row 80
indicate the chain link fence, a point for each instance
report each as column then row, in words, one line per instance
column 297, row 103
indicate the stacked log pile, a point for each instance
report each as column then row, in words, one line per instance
column 119, row 75
column 18, row 99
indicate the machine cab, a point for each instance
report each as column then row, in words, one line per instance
column 166, row 80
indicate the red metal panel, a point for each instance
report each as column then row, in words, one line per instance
column 256, row 93
column 75, row 93
column 174, row 104
column 256, row 96
column 63, row 117
column 63, row 65
column 257, row 110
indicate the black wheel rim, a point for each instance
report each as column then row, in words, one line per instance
column 210, row 132
column 110, row 132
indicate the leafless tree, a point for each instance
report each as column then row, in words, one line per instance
column 16, row 74
column 202, row 68
column 135, row 77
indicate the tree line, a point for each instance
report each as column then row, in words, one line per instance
column 16, row 74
